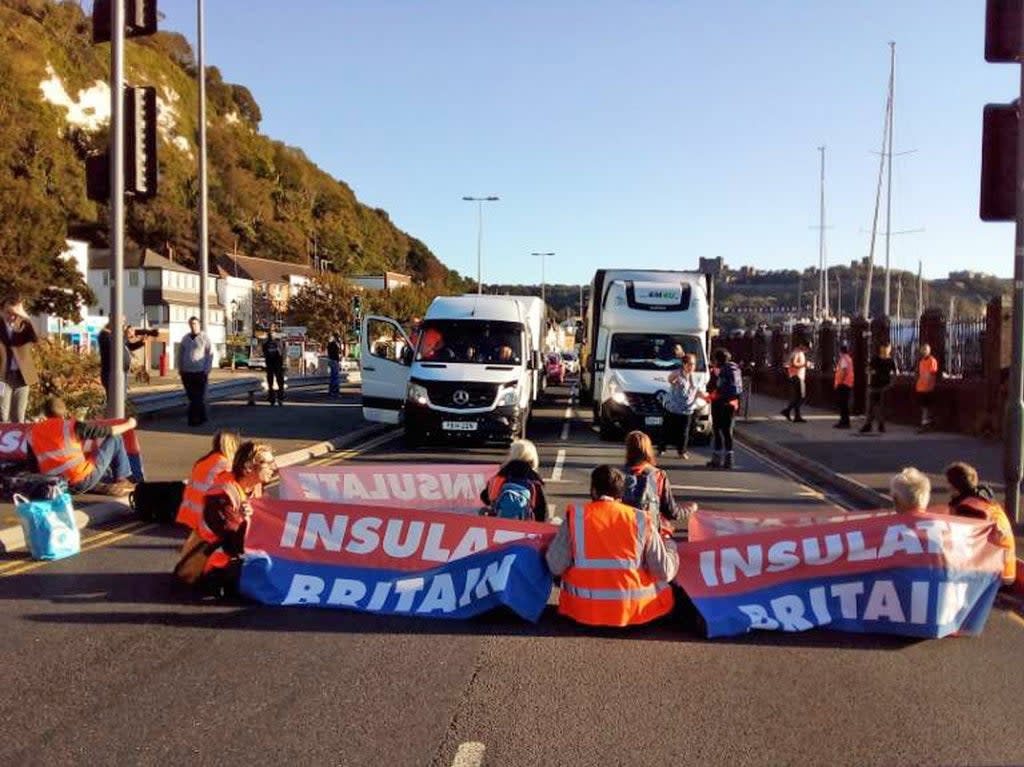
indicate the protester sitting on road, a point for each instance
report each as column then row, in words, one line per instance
column 971, row 499
column 646, row 486
column 517, row 490
column 614, row 563
column 204, row 473
column 911, row 491
column 56, row 442
column 211, row 557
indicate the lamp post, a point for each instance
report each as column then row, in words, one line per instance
column 480, row 233
column 204, row 244
column 543, row 280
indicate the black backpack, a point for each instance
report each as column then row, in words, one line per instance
column 157, row 501
column 730, row 382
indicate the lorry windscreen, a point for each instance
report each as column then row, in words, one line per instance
column 653, row 351
column 486, row 342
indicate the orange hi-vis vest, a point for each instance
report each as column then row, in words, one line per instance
column 58, row 450
column 204, row 473
column 606, row 584
column 844, row 371
column 224, row 484
column 979, row 507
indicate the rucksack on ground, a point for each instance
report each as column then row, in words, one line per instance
column 641, row 490
column 157, row 501
column 514, row 501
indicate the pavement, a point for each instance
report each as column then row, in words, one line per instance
column 307, row 425
column 106, row 660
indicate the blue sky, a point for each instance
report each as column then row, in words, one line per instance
column 642, row 133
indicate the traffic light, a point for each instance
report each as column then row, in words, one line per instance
column 140, row 167
column 357, row 306
column 1003, row 45
column 139, row 19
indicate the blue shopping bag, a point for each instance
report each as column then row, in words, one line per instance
column 49, row 526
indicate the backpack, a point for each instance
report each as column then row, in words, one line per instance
column 641, row 490
column 730, row 382
column 514, row 501
column 157, row 501
column 32, row 485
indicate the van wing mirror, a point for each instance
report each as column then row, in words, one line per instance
column 407, row 356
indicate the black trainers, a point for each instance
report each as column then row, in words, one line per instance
column 881, row 428
column 786, row 413
column 866, row 428
column 799, row 419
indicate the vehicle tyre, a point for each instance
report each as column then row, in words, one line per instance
column 412, row 439
column 607, row 431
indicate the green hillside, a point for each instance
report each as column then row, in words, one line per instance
column 266, row 199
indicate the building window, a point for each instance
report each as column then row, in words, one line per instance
column 133, row 278
column 106, row 279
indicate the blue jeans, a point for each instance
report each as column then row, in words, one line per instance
column 110, row 462
column 334, row 384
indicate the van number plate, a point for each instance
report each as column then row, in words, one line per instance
column 458, row 425
column 653, row 420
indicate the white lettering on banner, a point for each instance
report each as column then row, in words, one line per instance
column 405, row 487
column 422, row 595
column 790, row 612
column 725, row 564
column 14, row 441
column 401, row 539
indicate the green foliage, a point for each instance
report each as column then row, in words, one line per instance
column 266, row 199
column 72, row 376
column 324, row 306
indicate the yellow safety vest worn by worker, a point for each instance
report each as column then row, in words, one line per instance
column 204, row 473
column 606, row 584
column 58, row 450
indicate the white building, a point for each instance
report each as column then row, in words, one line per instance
column 387, row 281
column 158, row 293
column 81, row 334
column 235, row 295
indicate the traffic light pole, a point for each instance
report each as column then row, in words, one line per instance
column 116, row 379
column 1015, row 410
column 204, row 245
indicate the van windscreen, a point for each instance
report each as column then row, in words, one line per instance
column 653, row 351
column 485, row 342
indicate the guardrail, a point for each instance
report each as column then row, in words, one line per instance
column 148, row 404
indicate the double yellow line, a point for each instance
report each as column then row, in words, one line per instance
column 127, row 529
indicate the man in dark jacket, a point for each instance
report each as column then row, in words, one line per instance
column 104, row 340
column 273, row 357
column 334, row 365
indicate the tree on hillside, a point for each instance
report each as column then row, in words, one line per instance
column 323, row 305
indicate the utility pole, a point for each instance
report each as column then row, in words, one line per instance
column 116, row 385
column 204, row 245
column 888, row 159
column 543, row 280
column 480, row 235
column 821, row 239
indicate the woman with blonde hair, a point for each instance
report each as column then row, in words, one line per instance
column 647, row 486
column 204, row 472
column 517, row 490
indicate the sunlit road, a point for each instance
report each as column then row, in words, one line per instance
column 107, row 661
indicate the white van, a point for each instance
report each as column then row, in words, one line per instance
column 473, row 371
column 633, row 324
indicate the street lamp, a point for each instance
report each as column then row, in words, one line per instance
column 543, row 280
column 480, row 233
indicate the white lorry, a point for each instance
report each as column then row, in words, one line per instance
column 634, row 321
column 473, row 369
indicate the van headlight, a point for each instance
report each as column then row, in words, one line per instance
column 417, row 394
column 508, row 396
column 615, row 394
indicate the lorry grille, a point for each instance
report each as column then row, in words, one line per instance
column 644, row 404
column 443, row 393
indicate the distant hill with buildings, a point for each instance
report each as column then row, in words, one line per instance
column 267, row 199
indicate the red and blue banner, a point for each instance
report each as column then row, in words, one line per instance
column 440, row 486
column 394, row 561
column 924, row 575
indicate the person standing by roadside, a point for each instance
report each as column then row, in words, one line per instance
column 195, row 360
column 927, row 375
column 273, row 357
column 796, row 370
column 679, row 405
column 725, row 388
column 17, row 337
column 334, row 366
column 880, row 375
column 104, row 340
column 843, row 384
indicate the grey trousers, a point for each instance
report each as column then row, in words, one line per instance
column 16, row 397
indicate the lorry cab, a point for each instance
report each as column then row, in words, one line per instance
column 641, row 325
column 472, row 372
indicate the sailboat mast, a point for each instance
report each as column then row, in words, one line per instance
column 822, row 267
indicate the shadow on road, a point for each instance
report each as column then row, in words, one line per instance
column 192, row 612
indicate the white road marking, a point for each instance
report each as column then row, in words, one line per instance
column 470, row 754
column 712, row 489
column 565, row 426
column 556, row 472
